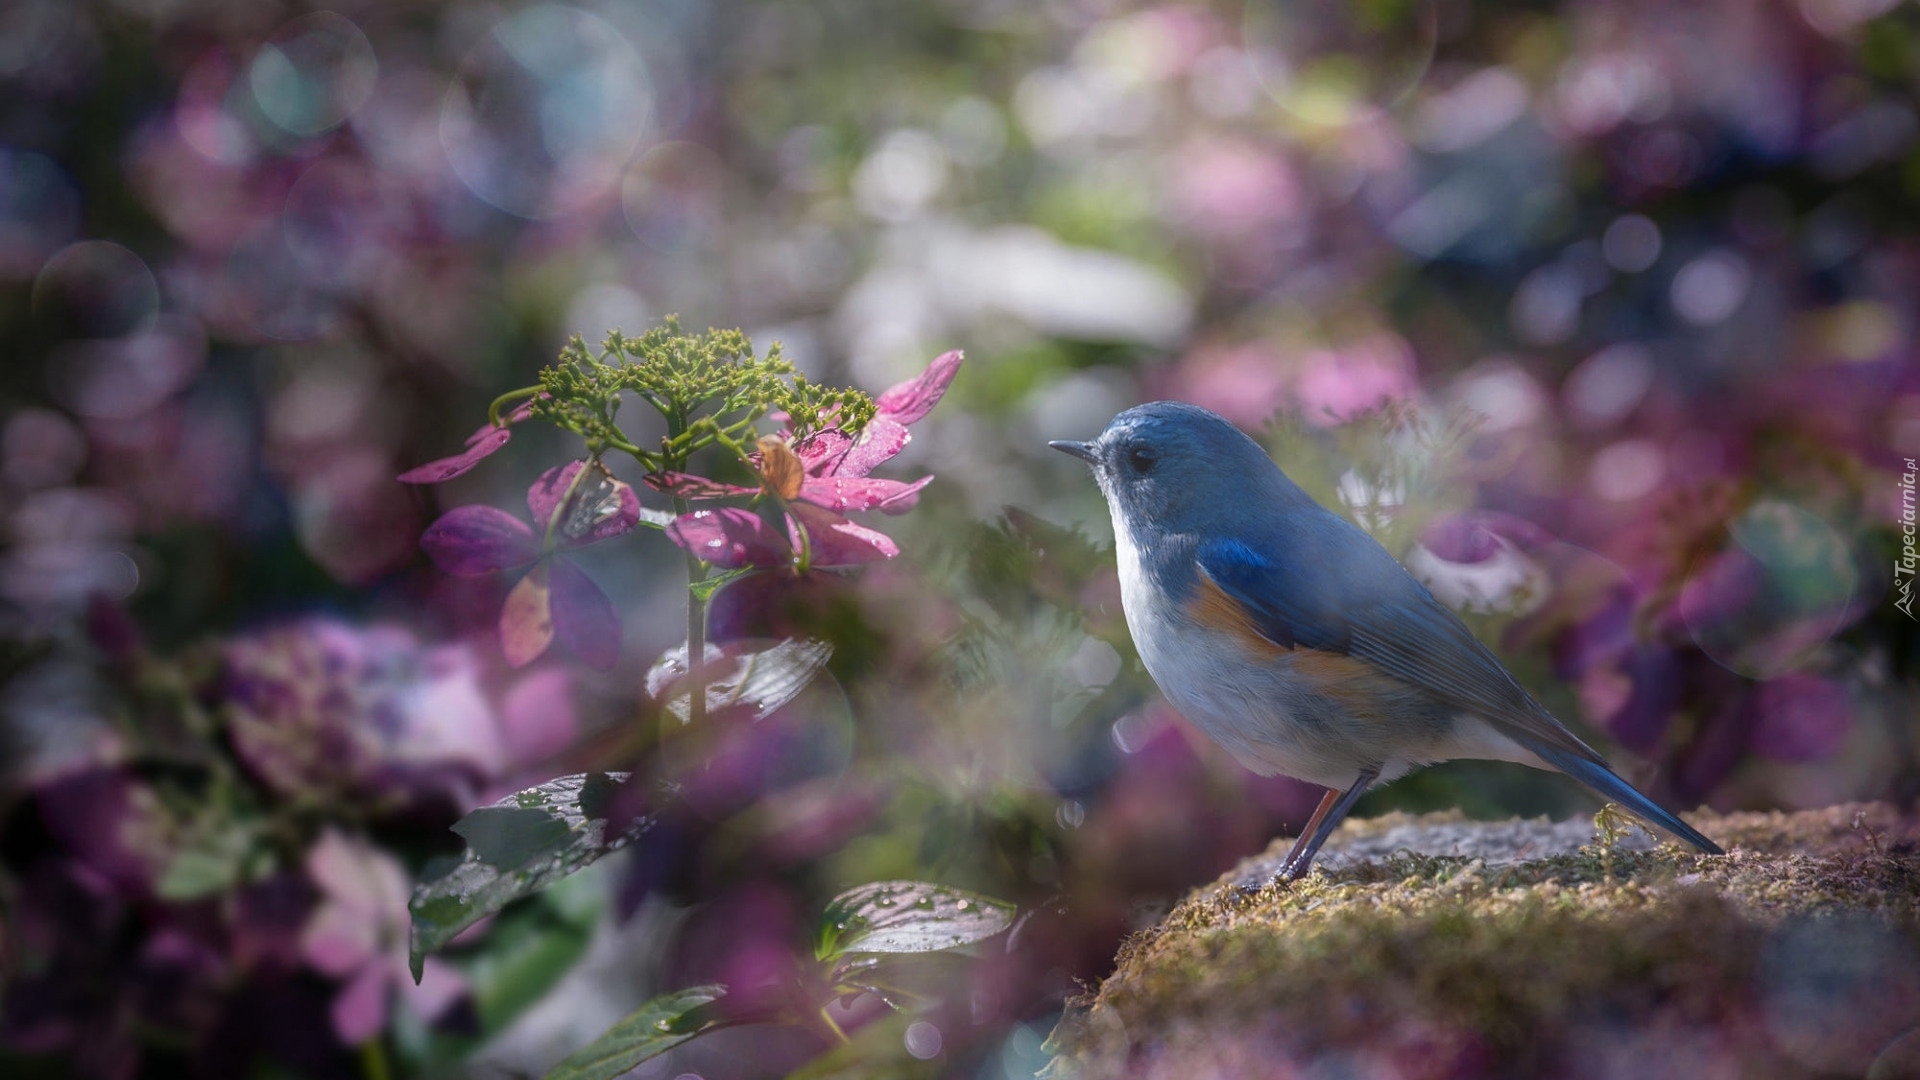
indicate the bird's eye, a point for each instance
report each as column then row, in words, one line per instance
column 1141, row 459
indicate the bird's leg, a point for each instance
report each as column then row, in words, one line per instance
column 1325, row 822
column 1313, row 823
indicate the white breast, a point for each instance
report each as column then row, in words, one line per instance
column 1242, row 701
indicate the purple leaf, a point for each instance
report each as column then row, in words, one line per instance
column 730, row 537
column 482, row 443
column 844, row 493
column 879, row 442
column 598, row 507
column 479, row 540
column 582, row 615
column 689, row 486
column 914, row 399
column 836, row 541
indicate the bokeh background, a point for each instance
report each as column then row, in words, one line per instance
column 1600, row 314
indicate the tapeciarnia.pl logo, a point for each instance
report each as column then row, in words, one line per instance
column 1903, row 569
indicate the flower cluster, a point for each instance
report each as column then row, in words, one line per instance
column 711, row 389
column 814, row 481
column 229, row 851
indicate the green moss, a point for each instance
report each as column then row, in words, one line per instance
column 1797, row 953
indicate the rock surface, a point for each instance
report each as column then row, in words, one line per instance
column 1439, row 947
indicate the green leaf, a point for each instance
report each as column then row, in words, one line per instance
column 655, row 1028
column 508, row 836
column 213, row 858
column 516, row 847
column 908, row 917
column 528, row 949
column 877, row 1049
column 194, row 874
column 754, row 673
column 704, row 589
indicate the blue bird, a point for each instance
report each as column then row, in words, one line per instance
column 1294, row 640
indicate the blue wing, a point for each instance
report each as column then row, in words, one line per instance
column 1340, row 591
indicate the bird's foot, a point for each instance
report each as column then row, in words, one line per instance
column 1288, row 873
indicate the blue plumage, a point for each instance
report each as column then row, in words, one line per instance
column 1294, row 639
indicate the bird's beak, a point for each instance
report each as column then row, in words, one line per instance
column 1083, row 451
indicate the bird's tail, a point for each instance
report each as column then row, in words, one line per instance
column 1602, row 779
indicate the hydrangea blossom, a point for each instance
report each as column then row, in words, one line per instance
column 816, row 481
column 322, row 709
column 575, row 505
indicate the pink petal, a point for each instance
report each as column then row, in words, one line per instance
column 915, row 398
column 480, row 445
column 730, row 537
column 844, row 493
column 537, row 717
column 361, row 1009
column 880, row 440
column 338, row 941
column 599, row 508
column 526, row 620
column 688, row 486
column 821, row 451
column 836, row 541
column 358, row 876
column 582, row 615
column 479, row 540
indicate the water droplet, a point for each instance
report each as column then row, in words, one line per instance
column 663, row 1025
column 925, row 903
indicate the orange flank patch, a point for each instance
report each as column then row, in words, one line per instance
column 1212, row 608
column 1356, row 685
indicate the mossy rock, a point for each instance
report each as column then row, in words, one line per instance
column 1439, row 947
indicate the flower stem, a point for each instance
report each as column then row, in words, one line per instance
column 696, row 632
column 373, row 1060
column 827, row 1018
column 696, row 608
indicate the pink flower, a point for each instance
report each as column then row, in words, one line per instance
column 322, row 709
column 358, row 935
column 480, row 445
column 575, row 504
column 817, row 481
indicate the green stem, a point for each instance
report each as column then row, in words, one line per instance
column 827, row 1019
column 696, row 608
column 373, row 1060
column 696, row 632
column 493, row 410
